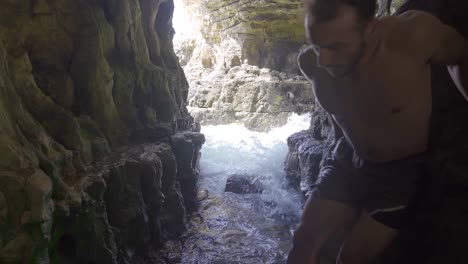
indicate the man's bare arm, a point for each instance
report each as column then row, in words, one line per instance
column 336, row 129
column 306, row 60
column 307, row 63
column 443, row 45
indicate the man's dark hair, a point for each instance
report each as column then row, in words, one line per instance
column 325, row 10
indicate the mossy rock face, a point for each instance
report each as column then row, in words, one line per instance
column 79, row 82
column 27, row 197
column 267, row 31
column 96, row 144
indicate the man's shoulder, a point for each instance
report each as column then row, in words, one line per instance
column 409, row 20
column 405, row 33
column 417, row 17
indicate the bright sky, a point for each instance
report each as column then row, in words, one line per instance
column 181, row 22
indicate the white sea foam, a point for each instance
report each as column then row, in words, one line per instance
column 233, row 149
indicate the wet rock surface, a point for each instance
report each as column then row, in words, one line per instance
column 132, row 202
column 306, row 150
column 84, row 85
column 240, row 228
column 234, row 228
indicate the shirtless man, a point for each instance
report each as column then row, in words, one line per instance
column 373, row 77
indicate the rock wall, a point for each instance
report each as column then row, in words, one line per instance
column 258, row 98
column 269, row 33
column 242, row 66
column 98, row 151
column 438, row 231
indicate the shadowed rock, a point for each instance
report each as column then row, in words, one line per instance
column 91, row 96
column 243, row 184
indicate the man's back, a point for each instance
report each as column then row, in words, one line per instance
column 384, row 105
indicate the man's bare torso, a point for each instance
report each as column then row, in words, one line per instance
column 384, row 107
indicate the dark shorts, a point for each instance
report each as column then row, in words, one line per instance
column 384, row 190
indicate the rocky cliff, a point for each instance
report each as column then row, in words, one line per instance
column 241, row 65
column 260, row 99
column 438, row 232
column 268, row 33
column 98, row 153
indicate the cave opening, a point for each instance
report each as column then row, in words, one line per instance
column 228, row 63
column 100, row 134
column 247, row 107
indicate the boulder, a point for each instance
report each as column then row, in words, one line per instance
column 187, row 147
column 243, row 184
column 306, row 150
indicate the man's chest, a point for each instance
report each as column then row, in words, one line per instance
column 353, row 99
column 379, row 94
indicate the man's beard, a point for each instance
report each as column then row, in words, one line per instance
column 344, row 70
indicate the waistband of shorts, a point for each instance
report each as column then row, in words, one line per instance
column 411, row 158
column 360, row 161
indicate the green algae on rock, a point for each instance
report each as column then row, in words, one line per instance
column 82, row 82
